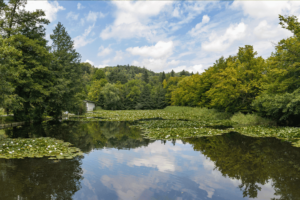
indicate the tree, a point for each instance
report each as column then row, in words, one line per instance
column 95, row 91
column 145, row 76
column 145, row 98
column 236, row 86
column 66, row 73
column 111, row 97
column 280, row 99
column 8, row 66
column 27, row 33
column 99, row 74
column 172, row 73
column 162, row 77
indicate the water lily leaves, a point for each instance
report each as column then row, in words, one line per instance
column 19, row 148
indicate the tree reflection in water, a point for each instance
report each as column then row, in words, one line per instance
column 47, row 179
column 39, row 178
column 254, row 161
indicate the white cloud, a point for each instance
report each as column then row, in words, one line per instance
column 133, row 18
column 104, row 51
column 72, row 15
column 93, row 16
column 79, row 6
column 264, row 9
column 266, row 31
column 82, row 40
column 162, row 163
column 88, row 61
column 119, row 56
column 198, row 28
column 50, row 9
column 173, row 62
column 160, row 50
column 221, row 43
column 152, row 64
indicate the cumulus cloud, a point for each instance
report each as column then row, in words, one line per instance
column 82, row 40
column 161, row 49
column 72, row 15
column 50, row 9
column 104, row 51
column 221, row 43
column 265, row 9
column 264, row 30
column 133, row 18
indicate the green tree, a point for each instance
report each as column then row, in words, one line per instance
column 280, row 99
column 99, row 74
column 145, row 76
column 239, row 83
column 95, row 91
column 66, row 73
column 8, row 66
column 27, row 33
column 111, row 96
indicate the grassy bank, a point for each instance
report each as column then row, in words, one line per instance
column 176, row 122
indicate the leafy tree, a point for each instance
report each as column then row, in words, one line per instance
column 8, row 66
column 27, row 33
column 111, row 97
column 66, row 72
column 280, row 98
column 170, row 86
column 99, row 74
column 95, row 90
column 239, row 83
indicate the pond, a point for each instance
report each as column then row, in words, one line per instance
column 118, row 163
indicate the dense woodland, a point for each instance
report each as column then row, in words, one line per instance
column 37, row 79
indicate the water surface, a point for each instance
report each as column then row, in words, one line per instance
column 120, row 164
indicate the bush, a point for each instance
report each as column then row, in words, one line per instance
column 251, row 119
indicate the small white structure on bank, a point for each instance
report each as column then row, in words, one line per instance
column 90, row 105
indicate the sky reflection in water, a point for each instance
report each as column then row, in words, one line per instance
column 120, row 164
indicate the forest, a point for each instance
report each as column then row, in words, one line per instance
column 39, row 80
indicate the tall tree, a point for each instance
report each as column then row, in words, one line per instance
column 66, row 74
column 145, row 76
column 27, row 33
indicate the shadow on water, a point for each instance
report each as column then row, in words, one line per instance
column 254, row 161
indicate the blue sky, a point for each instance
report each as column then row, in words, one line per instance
column 166, row 35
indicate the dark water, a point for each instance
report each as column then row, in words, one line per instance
column 120, row 164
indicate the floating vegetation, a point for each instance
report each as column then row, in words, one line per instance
column 182, row 122
column 37, row 148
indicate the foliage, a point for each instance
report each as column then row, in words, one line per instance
column 95, row 90
column 111, row 96
column 66, row 70
column 251, row 119
column 37, row 147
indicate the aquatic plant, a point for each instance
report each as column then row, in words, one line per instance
column 37, row 148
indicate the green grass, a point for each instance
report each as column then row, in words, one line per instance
column 251, row 119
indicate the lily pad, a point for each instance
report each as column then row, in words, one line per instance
column 37, row 148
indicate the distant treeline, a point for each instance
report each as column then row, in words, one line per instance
column 127, row 87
